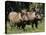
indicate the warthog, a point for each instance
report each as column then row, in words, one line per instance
column 15, row 19
column 31, row 17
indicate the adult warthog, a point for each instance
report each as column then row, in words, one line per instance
column 15, row 19
column 32, row 17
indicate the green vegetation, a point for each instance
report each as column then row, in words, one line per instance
column 28, row 29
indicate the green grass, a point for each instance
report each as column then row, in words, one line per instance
column 28, row 28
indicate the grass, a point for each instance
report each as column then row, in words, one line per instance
column 28, row 28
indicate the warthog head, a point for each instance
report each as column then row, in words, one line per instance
column 38, row 16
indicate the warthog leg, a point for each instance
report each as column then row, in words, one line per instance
column 23, row 25
column 32, row 24
column 36, row 24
